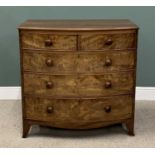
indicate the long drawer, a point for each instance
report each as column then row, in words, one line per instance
column 81, row 62
column 74, row 113
column 79, row 85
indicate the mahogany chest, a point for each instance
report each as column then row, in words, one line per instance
column 78, row 74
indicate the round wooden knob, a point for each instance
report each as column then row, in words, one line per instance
column 49, row 62
column 49, row 109
column 108, row 42
column 49, row 84
column 48, row 42
column 108, row 62
column 108, row 84
column 107, row 109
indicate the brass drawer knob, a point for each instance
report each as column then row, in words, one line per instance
column 107, row 84
column 108, row 62
column 49, row 109
column 108, row 42
column 107, row 109
column 48, row 42
column 49, row 62
column 49, row 84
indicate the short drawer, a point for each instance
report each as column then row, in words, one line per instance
column 48, row 41
column 79, row 85
column 107, row 61
column 74, row 113
column 51, row 62
column 107, row 41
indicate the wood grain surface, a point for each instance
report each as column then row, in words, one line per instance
column 78, row 113
column 78, row 62
column 102, row 41
column 78, row 74
column 76, row 85
column 78, row 25
column 58, row 42
column 60, row 62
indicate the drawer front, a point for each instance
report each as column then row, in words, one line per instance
column 81, row 85
column 50, row 63
column 82, row 62
column 107, row 61
column 74, row 113
column 107, row 41
column 48, row 41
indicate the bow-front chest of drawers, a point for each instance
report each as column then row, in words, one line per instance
column 78, row 74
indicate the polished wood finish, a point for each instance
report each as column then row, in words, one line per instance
column 74, row 113
column 107, row 41
column 46, row 41
column 78, row 74
column 49, row 62
column 77, row 25
column 26, row 128
column 130, row 126
column 78, row 62
column 81, row 85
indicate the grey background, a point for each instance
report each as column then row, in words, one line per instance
column 11, row 17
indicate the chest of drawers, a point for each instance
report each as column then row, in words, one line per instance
column 78, row 74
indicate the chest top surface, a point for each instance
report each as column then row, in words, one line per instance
column 78, row 25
